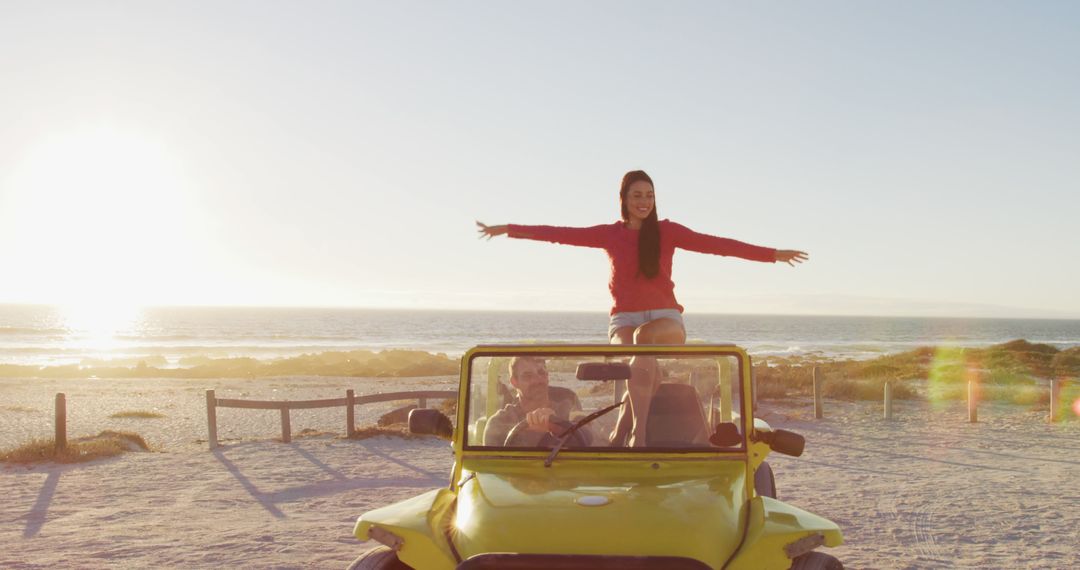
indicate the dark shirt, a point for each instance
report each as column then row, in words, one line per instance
column 563, row 401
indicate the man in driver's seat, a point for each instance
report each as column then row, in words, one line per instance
column 537, row 406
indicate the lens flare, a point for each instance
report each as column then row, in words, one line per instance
column 1076, row 407
column 950, row 370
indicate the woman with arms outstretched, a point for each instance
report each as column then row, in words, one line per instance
column 640, row 248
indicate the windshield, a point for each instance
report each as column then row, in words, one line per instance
column 532, row 400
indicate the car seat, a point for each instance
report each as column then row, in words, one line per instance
column 676, row 418
column 565, row 395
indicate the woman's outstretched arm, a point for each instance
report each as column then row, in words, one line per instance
column 791, row 256
column 489, row 232
column 688, row 239
column 595, row 236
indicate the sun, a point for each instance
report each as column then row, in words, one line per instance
column 97, row 326
column 99, row 215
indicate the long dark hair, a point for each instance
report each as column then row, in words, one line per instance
column 649, row 235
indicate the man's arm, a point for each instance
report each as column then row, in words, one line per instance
column 498, row 427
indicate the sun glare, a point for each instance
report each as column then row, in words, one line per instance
column 97, row 325
column 99, row 214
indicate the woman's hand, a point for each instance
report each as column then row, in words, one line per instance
column 489, row 232
column 790, row 256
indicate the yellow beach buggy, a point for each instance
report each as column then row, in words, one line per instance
column 697, row 495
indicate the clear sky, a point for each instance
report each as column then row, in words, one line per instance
column 337, row 153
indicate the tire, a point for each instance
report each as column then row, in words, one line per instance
column 764, row 482
column 817, row 561
column 378, row 558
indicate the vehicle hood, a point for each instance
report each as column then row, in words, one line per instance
column 665, row 509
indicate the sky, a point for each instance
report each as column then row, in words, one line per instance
column 337, row 153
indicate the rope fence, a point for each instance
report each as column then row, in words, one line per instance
column 972, row 399
column 348, row 402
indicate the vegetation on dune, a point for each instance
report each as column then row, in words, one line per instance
column 596, row 388
column 311, row 432
column 1067, row 362
column 394, row 430
column 1014, row 371
column 845, row 389
column 1036, row 397
column 105, row 444
column 140, row 414
column 386, row 363
column 1013, row 364
column 152, row 360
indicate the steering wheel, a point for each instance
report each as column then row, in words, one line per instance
column 521, row 436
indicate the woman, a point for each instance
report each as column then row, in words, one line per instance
column 641, row 248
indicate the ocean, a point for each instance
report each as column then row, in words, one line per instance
column 44, row 335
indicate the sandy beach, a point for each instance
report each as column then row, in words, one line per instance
column 926, row 490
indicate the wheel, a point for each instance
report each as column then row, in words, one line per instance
column 816, row 561
column 764, row 482
column 378, row 558
column 521, row 436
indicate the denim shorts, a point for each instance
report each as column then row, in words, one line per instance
column 638, row 318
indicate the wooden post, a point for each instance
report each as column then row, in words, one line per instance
column 1053, row 400
column 753, row 385
column 725, row 390
column 888, row 401
column 973, row 406
column 819, row 412
column 422, row 403
column 710, row 410
column 286, row 428
column 61, row 423
column 350, row 413
column 211, row 418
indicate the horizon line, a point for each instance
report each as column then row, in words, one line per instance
column 565, row 311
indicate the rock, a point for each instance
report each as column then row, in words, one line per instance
column 398, row 416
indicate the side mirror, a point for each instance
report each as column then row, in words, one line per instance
column 603, row 371
column 425, row 421
column 726, row 435
column 783, row 441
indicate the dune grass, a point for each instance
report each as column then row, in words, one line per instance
column 863, row 390
column 137, row 414
column 18, row 409
column 1035, row 396
column 383, row 364
column 772, row 390
column 311, row 432
column 108, row 443
column 596, row 389
column 448, row 406
column 394, row 430
column 1013, row 372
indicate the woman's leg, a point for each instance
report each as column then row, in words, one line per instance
column 644, row 376
column 623, row 425
column 623, row 335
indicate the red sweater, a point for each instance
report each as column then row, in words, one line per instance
column 633, row 292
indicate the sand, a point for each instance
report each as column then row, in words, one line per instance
column 926, row 490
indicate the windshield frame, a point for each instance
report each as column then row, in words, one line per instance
column 740, row 378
